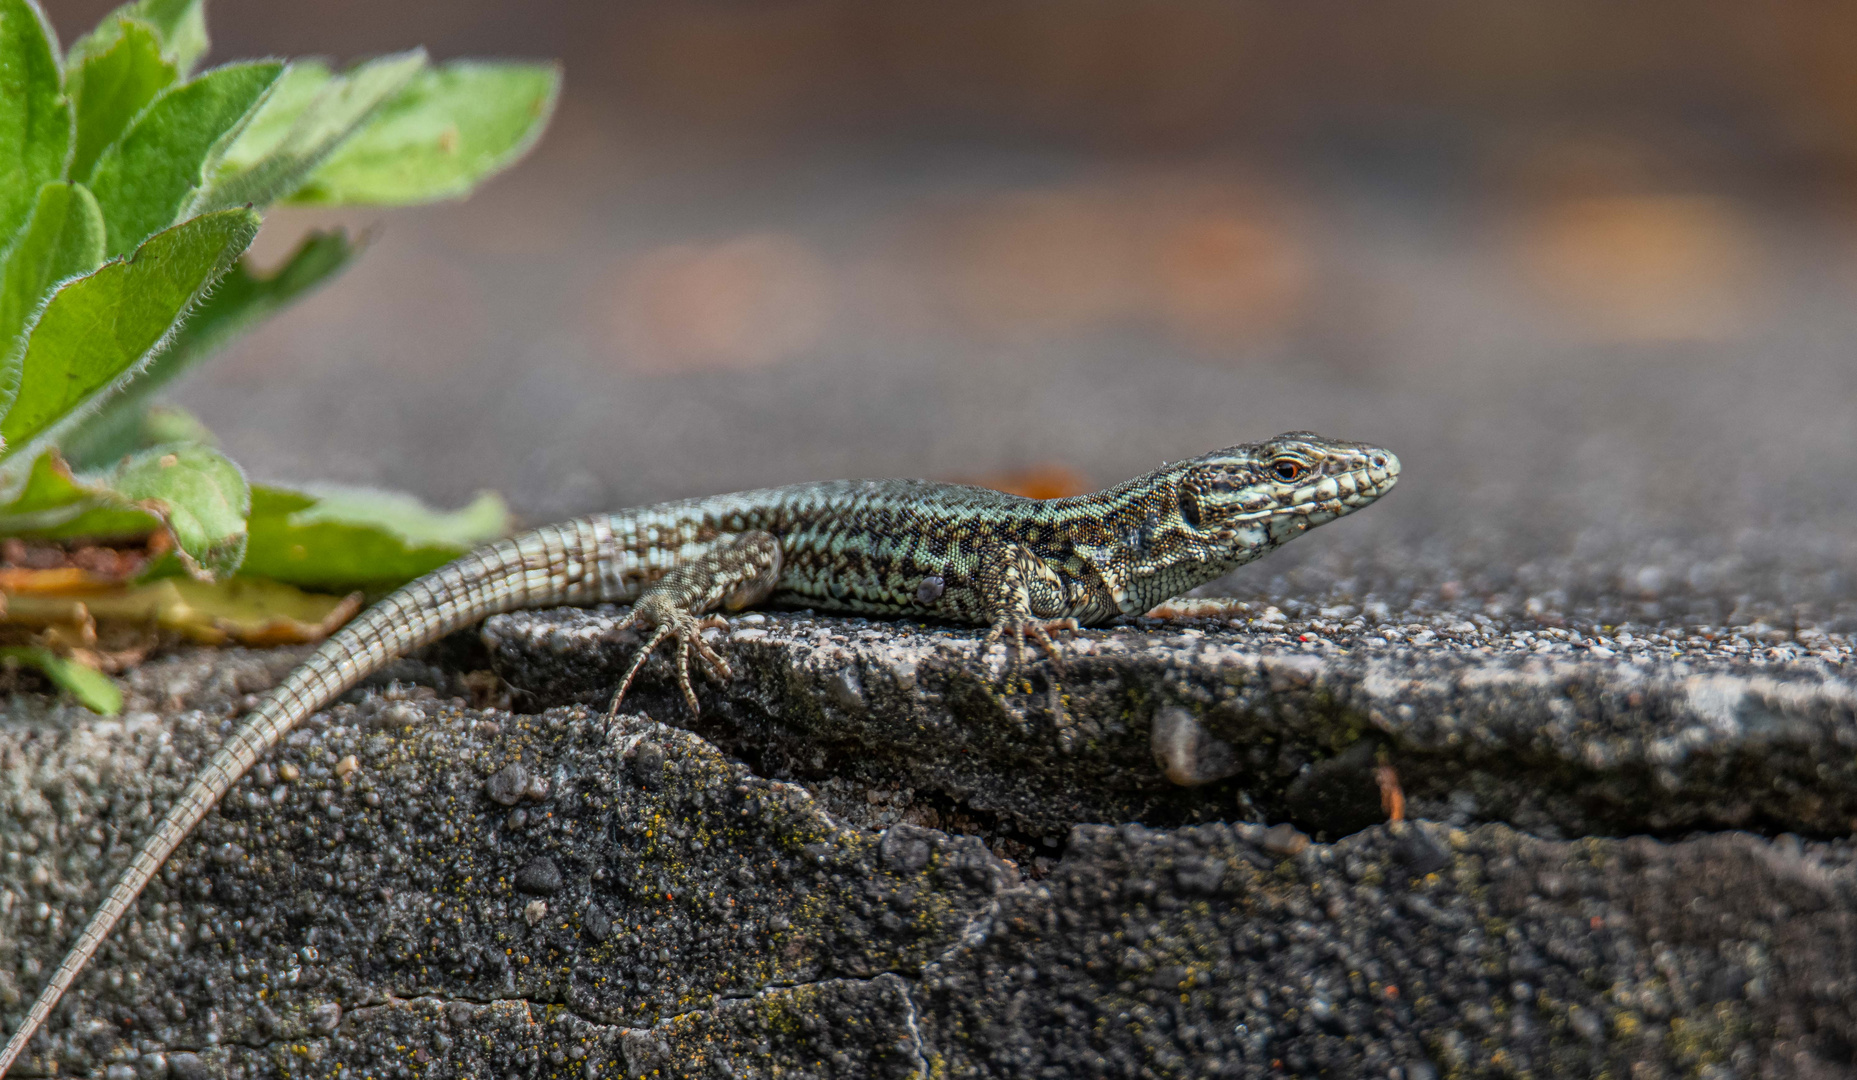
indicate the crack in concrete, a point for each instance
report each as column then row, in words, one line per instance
column 916, row 1045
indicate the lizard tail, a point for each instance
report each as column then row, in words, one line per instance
column 569, row 563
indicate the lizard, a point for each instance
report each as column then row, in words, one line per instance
column 903, row 548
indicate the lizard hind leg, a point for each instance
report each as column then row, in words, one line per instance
column 739, row 574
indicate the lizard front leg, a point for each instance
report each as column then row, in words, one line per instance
column 1025, row 597
column 734, row 576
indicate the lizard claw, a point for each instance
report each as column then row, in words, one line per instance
column 1040, row 631
column 687, row 630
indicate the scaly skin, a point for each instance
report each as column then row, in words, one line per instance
column 886, row 547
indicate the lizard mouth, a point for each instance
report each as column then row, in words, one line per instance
column 1373, row 474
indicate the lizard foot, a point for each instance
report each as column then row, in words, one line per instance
column 1040, row 631
column 670, row 621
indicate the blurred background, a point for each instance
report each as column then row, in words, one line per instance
column 1590, row 268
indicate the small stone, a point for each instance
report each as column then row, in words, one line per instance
column 535, row 912
column 398, row 715
column 648, row 764
column 347, row 766
column 288, row 773
column 905, row 849
column 644, row 1052
column 539, row 875
column 324, row 1018
column 1421, row 854
column 599, row 925
column 1284, row 839
column 508, row 784
column 186, row 1066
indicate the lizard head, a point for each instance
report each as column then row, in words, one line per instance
column 1261, row 495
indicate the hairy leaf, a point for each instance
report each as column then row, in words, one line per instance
column 97, row 330
column 351, row 538
column 179, row 27
column 439, row 137
column 299, row 127
column 53, row 504
column 193, row 492
column 35, row 120
column 297, row 89
column 198, row 494
column 110, row 87
column 145, row 180
column 63, row 238
column 240, row 299
column 182, row 25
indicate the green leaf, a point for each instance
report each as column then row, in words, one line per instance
column 299, row 127
column 182, row 26
column 98, row 330
column 90, row 687
column 197, row 493
column 449, row 129
column 111, row 432
column 297, row 89
column 338, row 539
column 245, row 296
column 53, row 504
column 194, row 492
column 179, row 27
column 173, row 424
column 35, row 117
column 241, row 298
column 111, row 87
column 63, row 238
column 145, row 180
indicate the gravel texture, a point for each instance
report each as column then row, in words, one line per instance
column 842, row 872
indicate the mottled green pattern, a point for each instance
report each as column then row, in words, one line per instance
column 881, row 546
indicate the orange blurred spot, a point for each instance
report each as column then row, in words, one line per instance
column 1045, row 261
column 1048, row 481
column 64, row 579
column 748, row 301
column 1642, row 267
column 1225, row 280
column 1392, row 796
column 1214, row 262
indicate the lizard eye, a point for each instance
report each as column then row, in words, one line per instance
column 1287, row 470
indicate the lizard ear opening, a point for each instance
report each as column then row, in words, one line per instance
column 1189, row 506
